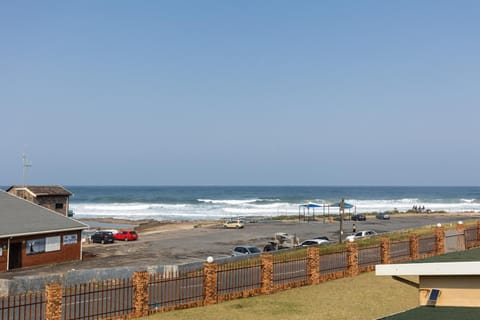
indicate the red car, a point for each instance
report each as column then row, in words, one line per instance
column 126, row 235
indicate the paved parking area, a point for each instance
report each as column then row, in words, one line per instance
column 196, row 244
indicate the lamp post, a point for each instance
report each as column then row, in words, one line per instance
column 342, row 209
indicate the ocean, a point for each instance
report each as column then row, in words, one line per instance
column 183, row 203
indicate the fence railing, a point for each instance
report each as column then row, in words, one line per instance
column 104, row 299
column 209, row 283
column 29, row 306
column 168, row 291
column 400, row 251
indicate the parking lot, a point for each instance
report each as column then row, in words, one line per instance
column 194, row 244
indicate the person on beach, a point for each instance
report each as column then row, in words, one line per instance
column 354, row 228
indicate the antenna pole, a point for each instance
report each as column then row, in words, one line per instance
column 26, row 164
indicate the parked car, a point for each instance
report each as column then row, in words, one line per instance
column 313, row 242
column 234, row 224
column 325, row 238
column 361, row 235
column 244, row 250
column 102, row 237
column 87, row 235
column 383, row 216
column 126, row 235
column 359, row 217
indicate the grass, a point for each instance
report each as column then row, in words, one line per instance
column 363, row 297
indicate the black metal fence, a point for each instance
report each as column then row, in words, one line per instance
column 174, row 289
column 30, row 306
column 369, row 256
column 104, row 299
column 333, row 262
column 289, row 269
column 400, row 251
column 242, row 275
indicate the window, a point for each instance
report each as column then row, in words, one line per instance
column 58, row 205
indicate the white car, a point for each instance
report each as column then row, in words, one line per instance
column 234, row 224
column 314, row 242
column 361, row 235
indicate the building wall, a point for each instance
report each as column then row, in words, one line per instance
column 50, row 202
column 460, row 291
column 37, row 250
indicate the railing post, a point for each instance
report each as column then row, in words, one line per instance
column 53, row 302
column 439, row 239
column 210, row 278
column 414, row 253
column 313, row 265
column 140, row 281
column 461, row 243
column 267, row 273
column 352, row 259
column 385, row 250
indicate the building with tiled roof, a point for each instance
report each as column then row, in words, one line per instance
column 52, row 197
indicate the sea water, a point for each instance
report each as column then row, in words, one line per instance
column 220, row 202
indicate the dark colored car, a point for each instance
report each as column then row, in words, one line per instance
column 383, row 216
column 102, row 237
column 126, row 235
column 359, row 217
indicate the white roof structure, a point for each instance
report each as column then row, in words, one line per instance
column 429, row 269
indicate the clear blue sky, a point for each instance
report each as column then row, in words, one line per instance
column 240, row 92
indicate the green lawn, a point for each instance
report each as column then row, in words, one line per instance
column 363, row 297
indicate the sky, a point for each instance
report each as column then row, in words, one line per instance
column 240, row 92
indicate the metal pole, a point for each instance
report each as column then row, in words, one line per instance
column 342, row 209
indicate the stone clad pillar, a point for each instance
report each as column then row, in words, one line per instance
column 461, row 243
column 313, row 265
column 385, row 250
column 439, row 240
column 352, row 259
column 267, row 273
column 414, row 253
column 53, row 303
column 140, row 293
column 210, row 277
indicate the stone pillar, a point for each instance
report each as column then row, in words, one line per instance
column 210, row 276
column 352, row 259
column 461, row 243
column 313, row 265
column 439, row 240
column 267, row 273
column 385, row 250
column 414, row 253
column 53, row 302
column 140, row 293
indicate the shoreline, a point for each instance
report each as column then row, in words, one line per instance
column 153, row 226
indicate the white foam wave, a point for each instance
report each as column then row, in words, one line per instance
column 217, row 209
column 229, row 202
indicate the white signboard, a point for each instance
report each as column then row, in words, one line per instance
column 52, row 244
column 69, row 239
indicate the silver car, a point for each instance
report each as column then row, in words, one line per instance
column 361, row 235
column 244, row 250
